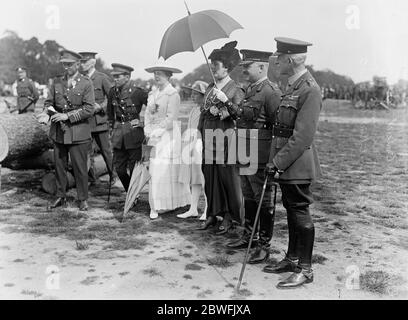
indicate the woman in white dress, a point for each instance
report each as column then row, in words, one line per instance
column 191, row 172
column 164, row 135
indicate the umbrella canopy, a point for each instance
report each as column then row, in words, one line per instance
column 140, row 176
column 191, row 32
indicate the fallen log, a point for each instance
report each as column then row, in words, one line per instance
column 43, row 160
column 25, row 136
column 49, row 183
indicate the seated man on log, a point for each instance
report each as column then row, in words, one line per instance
column 70, row 105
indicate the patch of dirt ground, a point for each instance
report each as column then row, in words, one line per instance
column 360, row 215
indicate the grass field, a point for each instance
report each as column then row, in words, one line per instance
column 360, row 214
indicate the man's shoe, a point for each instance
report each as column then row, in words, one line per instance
column 296, row 279
column 242, row 243
column 260, row 255
column 60, row 202
column 210, row 222
column 285, row 265
column 224, row 228
column 83, row 205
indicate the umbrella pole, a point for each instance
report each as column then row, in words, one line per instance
column 202, row 49
column 208, row 64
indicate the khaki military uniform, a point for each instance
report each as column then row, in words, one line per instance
column 99, row 122
column 124, row 106
column 27, row 95
column 74, row 135
column 254, row 121
column 294, row 153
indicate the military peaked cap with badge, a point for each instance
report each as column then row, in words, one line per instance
column 290, row 46
column 86, row 55
column 250, row 56
column 119, row 68
column 69, row 56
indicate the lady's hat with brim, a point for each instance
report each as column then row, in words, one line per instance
column 161, row 65
column 119, row 68
column 198, row 86
column 69, row 56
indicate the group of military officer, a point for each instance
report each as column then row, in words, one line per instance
column 82, row 106
column 284, row 123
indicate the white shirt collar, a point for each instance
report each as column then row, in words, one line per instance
column 292, row 79
column 91, row 73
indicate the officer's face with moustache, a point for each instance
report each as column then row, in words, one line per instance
column 283, row 65
column 120, row 79
column 70, row 68
column 21, row 74
column 87, row 65
column 252, row 72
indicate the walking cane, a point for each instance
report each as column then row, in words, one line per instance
column 253, row 230
column 110, row 187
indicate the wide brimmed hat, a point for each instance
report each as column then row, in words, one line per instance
column 161, row 65
column 198, row 86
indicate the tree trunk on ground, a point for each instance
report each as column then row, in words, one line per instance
column 25, row 135
column 43, row 160
column 49, row 183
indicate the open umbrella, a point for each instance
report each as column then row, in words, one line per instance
column 193, row 31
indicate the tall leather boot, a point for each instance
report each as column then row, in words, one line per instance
column 243, row 241
column 267, row 219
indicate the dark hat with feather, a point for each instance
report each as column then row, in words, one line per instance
column 228, row 55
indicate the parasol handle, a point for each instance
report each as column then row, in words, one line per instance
column 202, row 49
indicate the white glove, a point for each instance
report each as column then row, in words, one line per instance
column 43, row 118
column 220, row 95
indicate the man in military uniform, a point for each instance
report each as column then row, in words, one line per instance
column 99, row 121
column 70, row 105
column 125, row 101
column 293, row 160
column 27, row 94
column 256, row 111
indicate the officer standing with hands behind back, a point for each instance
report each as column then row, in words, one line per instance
column 99, row 121
column 125, row 101
column 293, row 161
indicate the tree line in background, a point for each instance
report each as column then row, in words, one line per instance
column 41, row 59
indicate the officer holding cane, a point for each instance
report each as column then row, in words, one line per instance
column 293, row 160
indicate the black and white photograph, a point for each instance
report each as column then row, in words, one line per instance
column 204, row 150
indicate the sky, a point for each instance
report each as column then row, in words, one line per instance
column 357, row 38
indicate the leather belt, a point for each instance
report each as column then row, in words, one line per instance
column 282, row 132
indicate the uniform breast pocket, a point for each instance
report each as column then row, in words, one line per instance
column 76, row 98
column 98, row 94
column 288, row 110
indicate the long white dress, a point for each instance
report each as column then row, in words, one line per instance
column 166, row 192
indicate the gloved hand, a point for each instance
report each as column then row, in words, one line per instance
column 271, row 171
column 220, row 95
column 43, row 118
column 214, row 111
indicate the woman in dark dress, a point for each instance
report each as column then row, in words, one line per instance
column 222, row 181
